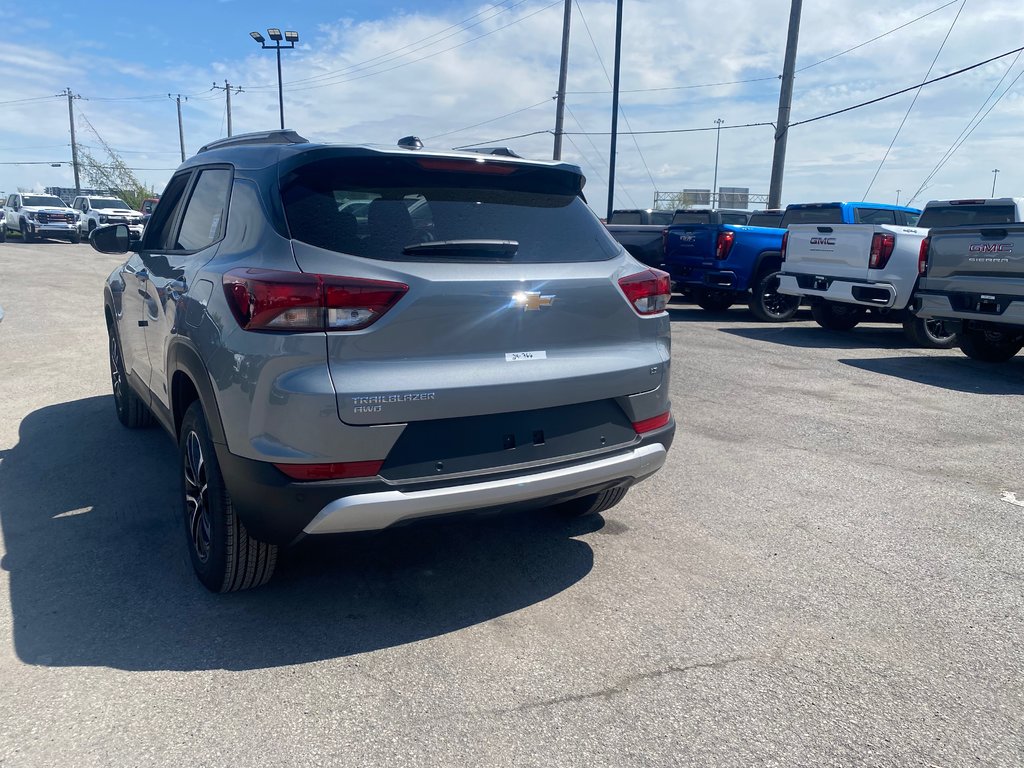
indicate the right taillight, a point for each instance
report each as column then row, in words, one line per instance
column 785, row 242
column 724, row 244
column 922, row 256
column 648, row 292
column 272, row 300
column 882, row 246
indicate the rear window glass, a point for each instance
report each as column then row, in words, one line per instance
column 966, row 215
column 661, row 218
column 376, row 207
column 874, row 216
column 734, row 218
column 765, row 219
column 824, row 215
column 625, row 217
column 692, row 218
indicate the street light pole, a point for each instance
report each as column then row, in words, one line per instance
column 714, row 185
column 994, row 172
column 275, row 34
column 898, row 196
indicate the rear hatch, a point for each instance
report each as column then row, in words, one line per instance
column 513, row 302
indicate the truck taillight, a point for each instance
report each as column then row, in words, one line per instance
column 724, row 244
column 648, row 292
column 922, row 256
column 785, row 242
column 881, row 249
column 272, row 300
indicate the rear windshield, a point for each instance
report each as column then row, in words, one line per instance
column 626, row 217
column 661, row 218
column 765, row 220
column 824, row 215
column 734, row 218
column 966, row 215
column 374, row 207
column 692, row 218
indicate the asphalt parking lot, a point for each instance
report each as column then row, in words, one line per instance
column 827, row 571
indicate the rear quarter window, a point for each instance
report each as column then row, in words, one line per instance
column 376, row 207
column 692, row 218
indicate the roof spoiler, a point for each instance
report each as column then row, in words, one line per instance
column 284, row 136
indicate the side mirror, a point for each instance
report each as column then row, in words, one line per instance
column 110, row 239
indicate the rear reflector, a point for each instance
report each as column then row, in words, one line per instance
column 649, row 425
column 648, row 292
column 271, row 300
column 331, row 471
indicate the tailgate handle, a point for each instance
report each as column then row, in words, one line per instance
column 824, row 229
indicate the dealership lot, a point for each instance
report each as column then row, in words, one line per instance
column 828, row 570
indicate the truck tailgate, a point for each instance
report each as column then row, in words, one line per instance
column 830, row 250
column 993, row 252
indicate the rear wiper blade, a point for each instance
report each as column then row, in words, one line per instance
column 506, row 248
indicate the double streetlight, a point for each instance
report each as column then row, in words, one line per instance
column 275, row 34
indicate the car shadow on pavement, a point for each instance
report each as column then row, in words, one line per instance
column 680, row 312
column 100, row 576
column 959, row 374
column 862, row 337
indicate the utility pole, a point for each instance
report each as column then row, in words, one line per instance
column 615, row 108
column 181, row 129
column 227, row 93
column 785, row 102
column 994, row 172
column 563, row 73
column 74, row 142
column 898, row 196
column 714, row 186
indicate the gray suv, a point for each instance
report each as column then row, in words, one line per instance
column 466, row 337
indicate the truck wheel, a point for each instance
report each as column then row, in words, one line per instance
column 930, row 334
column 988, row 346
column 75, row 238
column 836, row 316
column 131, row 411
column 26, row 236
column 3, row 233
column 712, row 301
column 225, row 557
column 592, row 504
column 767, row 304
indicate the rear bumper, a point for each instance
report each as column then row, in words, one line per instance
column 699, row 277
column 372, row 511
column 863, row 293
column 1007, row 311
column 279, row 510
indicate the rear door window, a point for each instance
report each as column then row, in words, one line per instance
column 203, row 222
column 446, row 209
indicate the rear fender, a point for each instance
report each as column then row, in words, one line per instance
column 184, row 360
column 767, row 261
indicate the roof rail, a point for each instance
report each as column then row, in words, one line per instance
column 502, row 151
column 283, row 136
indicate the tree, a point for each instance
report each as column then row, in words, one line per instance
column 114, row 175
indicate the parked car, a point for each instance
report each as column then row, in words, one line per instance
column 33, row 216
column 641, row 232
column 147, row 207
column 719, row 265
column 95, row 211
column 972, row 279
column 317, row 381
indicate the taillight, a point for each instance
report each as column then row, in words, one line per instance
column 649, row 425
column 648, row 291
column 270, row 300
column 922, row 256
column 881, row 249
column 334, row 471
column 785, row 242
column 724, row 244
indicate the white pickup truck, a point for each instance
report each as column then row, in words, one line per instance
column 855, row 272
column 35, row 216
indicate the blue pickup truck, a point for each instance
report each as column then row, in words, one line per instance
column 719, row 265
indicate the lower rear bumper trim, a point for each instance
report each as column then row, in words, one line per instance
column 374, row 511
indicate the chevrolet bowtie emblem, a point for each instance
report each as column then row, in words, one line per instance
column 532, row 300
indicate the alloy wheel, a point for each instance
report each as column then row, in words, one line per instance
column 197, row 497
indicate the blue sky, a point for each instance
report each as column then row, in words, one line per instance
column 459, row 72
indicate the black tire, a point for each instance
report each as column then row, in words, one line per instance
column 3, row 232
column 92, row 226
column 131, row 411
column 930, row 334
column 592, row 504
column 713, row 301
column 225, row 557
column 767, row 304
column 836, row 316
column 988, row 346
column 26, row 236
column 75, row 238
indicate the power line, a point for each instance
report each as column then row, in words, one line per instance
column 913, row 101
column 600, row 154
column 506, row 138
column 674, row 130
column 492, row 120
column 34, row 98
column 966, row 134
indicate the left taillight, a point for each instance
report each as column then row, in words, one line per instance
column 882, row 246
column 648, row 292
column 922, row 256
column 272, row 300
